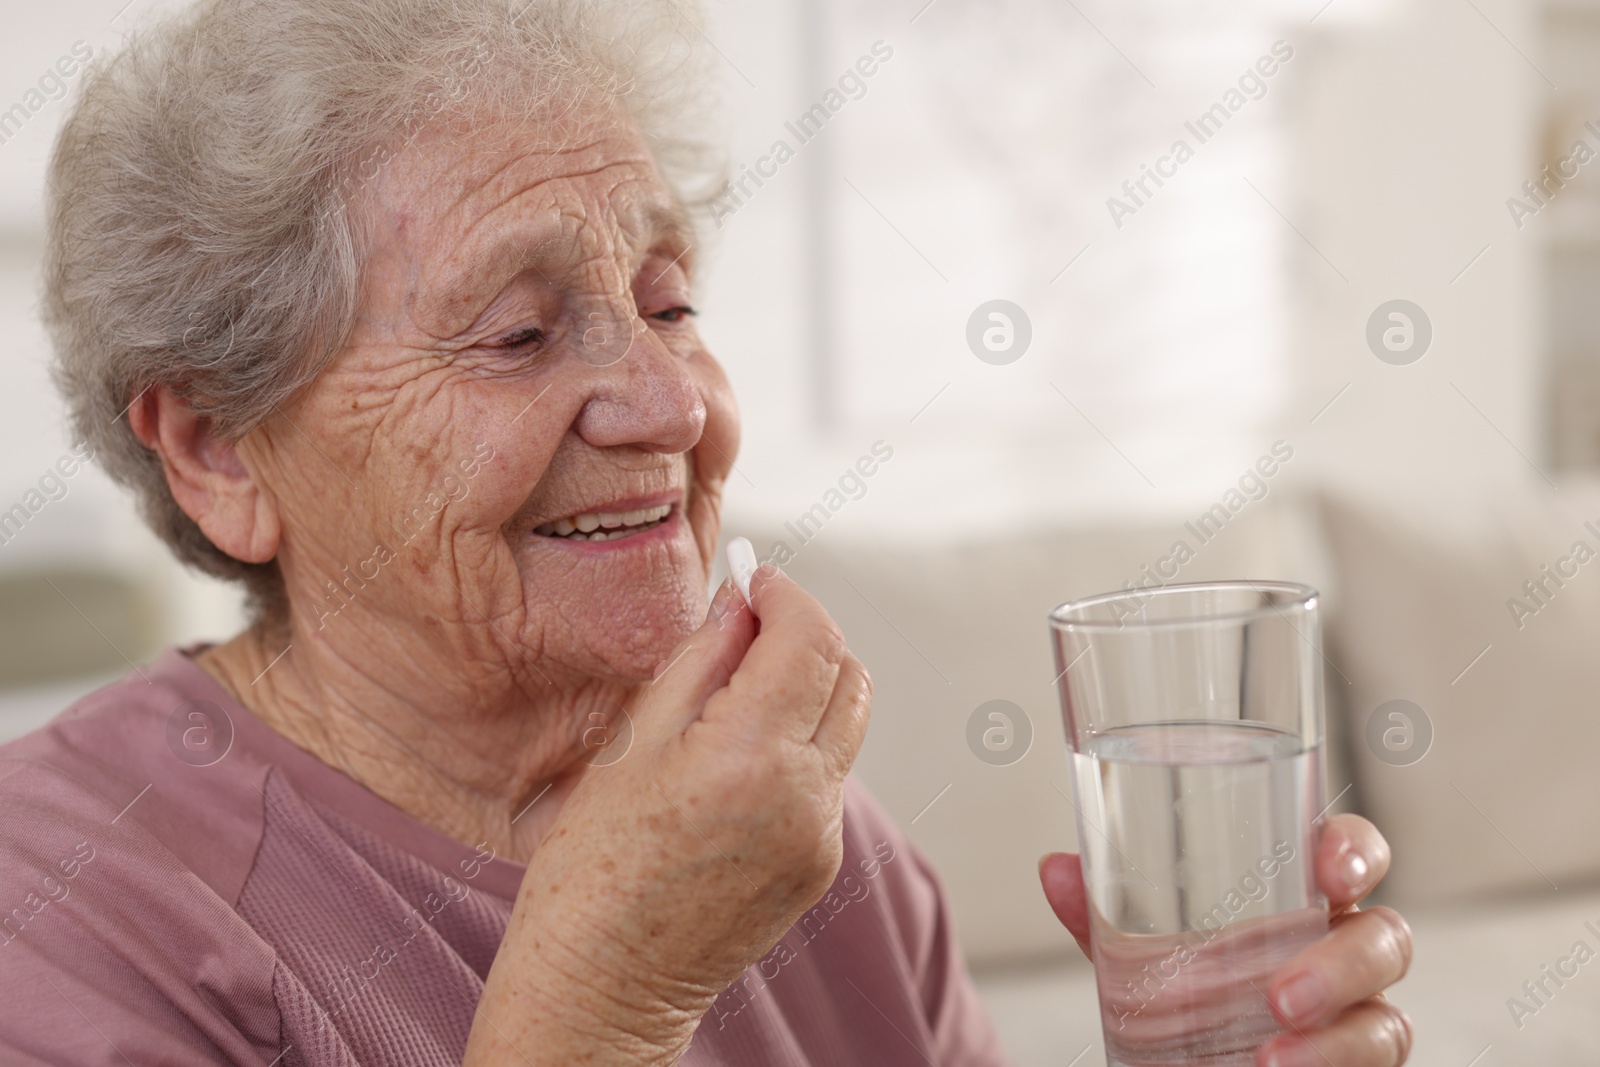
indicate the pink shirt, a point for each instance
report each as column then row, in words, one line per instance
column 180, row 885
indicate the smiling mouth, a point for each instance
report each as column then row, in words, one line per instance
column 605, row 525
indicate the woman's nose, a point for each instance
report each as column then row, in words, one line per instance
column 643, row 395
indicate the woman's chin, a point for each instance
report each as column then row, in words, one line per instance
column 614, row 609
column 633, row 660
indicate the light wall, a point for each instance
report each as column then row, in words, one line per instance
column 1409, row 123
column 1414, row 131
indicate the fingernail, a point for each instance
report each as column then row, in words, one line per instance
column 1301, row 997
column 1292, row 1053
column 1353, row 868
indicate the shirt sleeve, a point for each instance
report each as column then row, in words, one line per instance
column 111, row 952
column 963, row 1034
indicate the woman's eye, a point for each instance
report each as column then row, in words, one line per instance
column 520, row 339
column 675, row 314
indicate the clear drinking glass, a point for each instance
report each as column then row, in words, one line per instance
column 1194, row 717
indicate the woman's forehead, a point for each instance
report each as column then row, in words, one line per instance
column 468, row 215
column 459, row 172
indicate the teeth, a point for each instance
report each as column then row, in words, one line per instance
column 591, row 525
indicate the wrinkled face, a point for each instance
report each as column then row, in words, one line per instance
column 518, row 458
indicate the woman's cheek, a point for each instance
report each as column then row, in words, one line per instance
column 510, row 464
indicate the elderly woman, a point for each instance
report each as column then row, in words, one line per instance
column 383, row 311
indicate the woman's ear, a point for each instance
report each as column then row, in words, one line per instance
column 208, row 478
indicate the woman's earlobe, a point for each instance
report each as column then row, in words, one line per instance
column 264, row 531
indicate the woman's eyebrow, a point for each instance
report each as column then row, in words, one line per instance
column 650, row 225
column 667, row 224
column 460, row 292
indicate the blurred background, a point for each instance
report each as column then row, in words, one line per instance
column 1377, row 251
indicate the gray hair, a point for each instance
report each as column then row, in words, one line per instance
column 204, row 231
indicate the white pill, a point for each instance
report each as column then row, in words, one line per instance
column 742, row 566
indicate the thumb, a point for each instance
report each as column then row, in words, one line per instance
column 699, row 666
column 1061, row 874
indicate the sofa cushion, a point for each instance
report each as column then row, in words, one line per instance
column 1440, row 605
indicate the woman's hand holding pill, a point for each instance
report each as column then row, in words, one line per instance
column 669, row 872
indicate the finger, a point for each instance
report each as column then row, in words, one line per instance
column 1061, row 874
column 786, row 680
column 844, row 723
column 1374, row 1033
column 699, row 666
column 1352, row 857
column 1363, row 955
